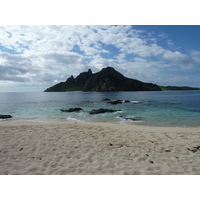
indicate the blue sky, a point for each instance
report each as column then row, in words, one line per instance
column 185, row 37
column 34, row 57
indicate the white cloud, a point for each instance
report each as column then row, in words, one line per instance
column 98, row 62
column 163, row 35
column 40, row 68
column 170, row 43
column 50, row 54
column 179, row 59
column 143, row 69
column 195, row 53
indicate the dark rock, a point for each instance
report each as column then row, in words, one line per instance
column 194, row 149
column 102, row 110
column 5, row 116
column 127, row 101
column 106, row 99
column 197, row 147
column 71, row 110
column 115, row 102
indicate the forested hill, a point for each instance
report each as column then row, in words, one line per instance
column 108, row 79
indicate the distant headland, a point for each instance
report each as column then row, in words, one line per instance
column 106, row 80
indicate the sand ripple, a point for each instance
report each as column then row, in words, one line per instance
column 86, row 148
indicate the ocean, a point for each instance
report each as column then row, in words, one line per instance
column 156, row 108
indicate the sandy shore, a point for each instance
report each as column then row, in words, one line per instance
column 97, row 148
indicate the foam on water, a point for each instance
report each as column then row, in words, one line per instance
column 73, row 119
column 136, row 102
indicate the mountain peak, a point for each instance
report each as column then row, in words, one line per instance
column 108, row 68
column 89, row 71
column 108, row 79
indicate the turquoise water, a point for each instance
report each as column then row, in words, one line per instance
column 160, row 108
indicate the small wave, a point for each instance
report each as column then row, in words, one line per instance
column 81, row 114
column 120, row 111
column 73, row 119
column 110, row 113
column 125, row 121
column 136, row 102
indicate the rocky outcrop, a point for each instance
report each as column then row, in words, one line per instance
column 5, row 116
column 106, row 99
column 102, row 110
column 71, row 110
column 94, row 111
column 115, row 102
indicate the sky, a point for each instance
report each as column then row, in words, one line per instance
column 34, row 57
column 37, row 54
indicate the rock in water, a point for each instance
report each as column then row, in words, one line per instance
column 5, row 116
column 71, row 110
column 102, row 110
column 115, row 102
column 106, row 99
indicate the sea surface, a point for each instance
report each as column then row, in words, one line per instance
column 157, row 108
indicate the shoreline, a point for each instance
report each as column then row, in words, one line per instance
column 113, row 125
column 28, row 147
column 142, row 124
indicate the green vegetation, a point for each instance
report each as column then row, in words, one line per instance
column 108, row 79
column 177, row 88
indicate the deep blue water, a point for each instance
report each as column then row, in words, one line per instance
column 162, row 108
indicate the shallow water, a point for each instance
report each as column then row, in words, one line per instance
column 162, row 108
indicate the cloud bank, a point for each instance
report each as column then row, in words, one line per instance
column 44, row 55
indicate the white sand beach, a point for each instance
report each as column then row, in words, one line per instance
column 76, row 148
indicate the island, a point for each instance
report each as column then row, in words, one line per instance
column 178, row 88
column 108, row 79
